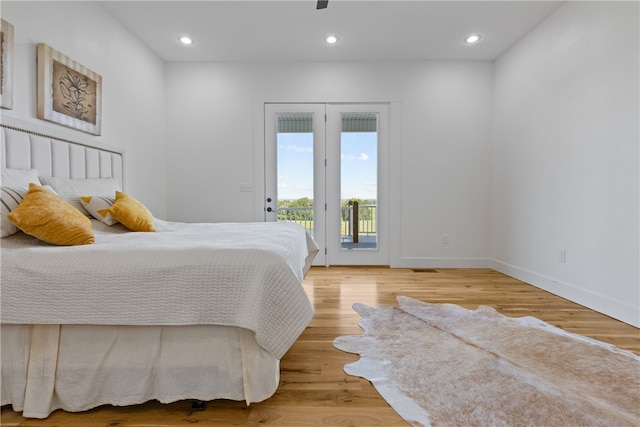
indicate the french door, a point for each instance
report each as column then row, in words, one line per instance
column 325, row 168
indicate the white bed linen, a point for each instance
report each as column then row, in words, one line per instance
column 79, row 367
column 246, row 275
column 193, row 311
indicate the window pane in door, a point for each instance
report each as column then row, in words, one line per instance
column 358, row 181
column 295, row 169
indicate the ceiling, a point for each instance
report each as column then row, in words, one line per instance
column 294, row 30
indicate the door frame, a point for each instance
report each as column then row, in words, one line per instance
column 319, row 167
column 380, row 256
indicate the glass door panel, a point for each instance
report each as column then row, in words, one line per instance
column 358, row 180
column 295, row 169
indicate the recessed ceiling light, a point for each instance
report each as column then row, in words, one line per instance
column 331, row 39
column 473, row 38
column 186, row 40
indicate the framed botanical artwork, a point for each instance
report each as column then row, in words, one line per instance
column 68, row 93
column 6, row 65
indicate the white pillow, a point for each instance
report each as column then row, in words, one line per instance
column 98, row 207
column 10, row 198
column 71, row 189
column 19, row 178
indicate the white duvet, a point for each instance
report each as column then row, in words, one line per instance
column 242, row 274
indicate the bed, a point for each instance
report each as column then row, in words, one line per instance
column 190, row 311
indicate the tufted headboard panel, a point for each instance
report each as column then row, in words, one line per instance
column 52, row 153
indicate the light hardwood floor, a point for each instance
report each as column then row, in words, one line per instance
column 314, row 390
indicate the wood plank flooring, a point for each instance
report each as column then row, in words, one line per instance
column 314, row 390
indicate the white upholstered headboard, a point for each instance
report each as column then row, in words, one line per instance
column 53, row 153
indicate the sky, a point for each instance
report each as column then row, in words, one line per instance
column 358, row 165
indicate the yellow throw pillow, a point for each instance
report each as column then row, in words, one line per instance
column 45, row 216
column 131, row 213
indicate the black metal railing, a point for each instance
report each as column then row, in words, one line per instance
column 355, row 220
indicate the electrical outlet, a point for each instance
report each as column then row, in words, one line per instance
column 445, row 239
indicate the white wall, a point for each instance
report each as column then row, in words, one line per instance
column 133, row 113
column 445, row 164
column 439, row 144
column 565, row 157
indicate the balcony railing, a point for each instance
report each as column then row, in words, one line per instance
column 350, row 230
column 302, row 216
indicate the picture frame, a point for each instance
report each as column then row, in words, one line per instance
column 6, row 65
column 69, row 93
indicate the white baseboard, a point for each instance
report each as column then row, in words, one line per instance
column 416, row 262
column 600, row 303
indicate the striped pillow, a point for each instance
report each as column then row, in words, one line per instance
column 10, row 198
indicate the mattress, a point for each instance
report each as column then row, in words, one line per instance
column 235, row 274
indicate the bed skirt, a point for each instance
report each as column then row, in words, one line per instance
column 79, row 367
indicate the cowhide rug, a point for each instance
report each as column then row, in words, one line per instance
column 444, row 365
